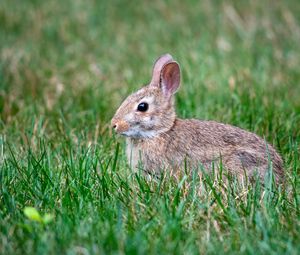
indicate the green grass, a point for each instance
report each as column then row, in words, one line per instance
column 65, row 66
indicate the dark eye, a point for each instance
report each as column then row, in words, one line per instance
column 142, row 107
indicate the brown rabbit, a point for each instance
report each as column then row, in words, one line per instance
column 159, row 140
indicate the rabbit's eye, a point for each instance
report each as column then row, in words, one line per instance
column 142, row 107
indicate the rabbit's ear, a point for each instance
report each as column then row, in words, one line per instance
column 170, row 78
column 157, row 68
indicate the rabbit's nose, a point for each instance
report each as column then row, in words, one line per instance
column 114, row 124
column 119, row 125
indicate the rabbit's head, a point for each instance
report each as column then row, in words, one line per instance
column 150, row 111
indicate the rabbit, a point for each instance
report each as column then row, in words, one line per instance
column 157, row 140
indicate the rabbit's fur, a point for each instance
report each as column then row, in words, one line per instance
column 157, row 140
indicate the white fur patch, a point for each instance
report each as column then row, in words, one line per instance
column 132, row 155
column 137, row 133
column 129, row 116
column 147, row 119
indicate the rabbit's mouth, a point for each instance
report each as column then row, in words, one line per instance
column 137, row 131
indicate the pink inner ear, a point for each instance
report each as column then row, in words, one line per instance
column 157, row 68
column 170, row 78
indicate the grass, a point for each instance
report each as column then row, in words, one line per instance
column 65, row 66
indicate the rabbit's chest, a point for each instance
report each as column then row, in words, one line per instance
column 150, row 157
column 132, row 153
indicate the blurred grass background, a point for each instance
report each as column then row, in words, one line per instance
column 65, row 66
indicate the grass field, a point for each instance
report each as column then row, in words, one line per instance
column 65, row 66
